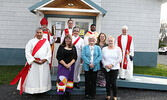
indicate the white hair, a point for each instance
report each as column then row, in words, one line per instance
column 91, row 36
column 111, row 37
column 76, row 28
column 125, row 27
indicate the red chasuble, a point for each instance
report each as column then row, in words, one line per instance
column 23, row 73
column 125, row 62
column 76, row 41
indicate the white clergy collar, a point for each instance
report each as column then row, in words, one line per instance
column 93, row 31
column 70, row 28
column 124, row 35
column 38, row 39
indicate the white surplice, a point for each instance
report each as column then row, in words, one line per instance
column 38, row 79
column 126, row 73
column 79, row 45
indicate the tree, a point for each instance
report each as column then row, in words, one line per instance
column 163, row 34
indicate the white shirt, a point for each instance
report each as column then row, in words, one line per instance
column 63, row 34
column 111, row 56
column 91, row 51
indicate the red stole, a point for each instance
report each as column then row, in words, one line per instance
column 76, row 41
column 23, row 73
column 66, row 31
column 125, row 62
column 90, row 32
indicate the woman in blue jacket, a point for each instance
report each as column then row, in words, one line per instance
column 91, row 55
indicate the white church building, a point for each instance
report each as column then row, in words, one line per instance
column 19, row 19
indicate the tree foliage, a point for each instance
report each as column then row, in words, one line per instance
column 163, row 34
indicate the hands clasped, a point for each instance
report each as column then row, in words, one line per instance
column 109, row 66
column 40, row 62
column 91, row 65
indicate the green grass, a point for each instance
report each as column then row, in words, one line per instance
column 160, row 70
column 7, row 73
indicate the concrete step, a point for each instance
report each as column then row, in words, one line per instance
column 81, row 91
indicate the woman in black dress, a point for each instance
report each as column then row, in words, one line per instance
column 66, row 56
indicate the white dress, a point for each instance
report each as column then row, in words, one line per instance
column 79, row 45
column 38, row 79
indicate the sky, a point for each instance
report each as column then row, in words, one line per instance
column 164, row 11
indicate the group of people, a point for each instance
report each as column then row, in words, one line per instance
column 102, row 58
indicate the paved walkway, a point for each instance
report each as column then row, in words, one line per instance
column 10, row 93
column 162, row 59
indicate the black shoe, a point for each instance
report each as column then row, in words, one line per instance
column 61, row 97
column 122, row 78
column 76, row 85
column 68, row 96
column 92, row 98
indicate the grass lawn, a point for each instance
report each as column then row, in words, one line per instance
column 7, row 73
column 160, row 70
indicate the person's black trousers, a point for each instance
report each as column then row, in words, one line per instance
column 111, row 79
column 90, row 83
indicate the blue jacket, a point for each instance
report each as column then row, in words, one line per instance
column 86, row 56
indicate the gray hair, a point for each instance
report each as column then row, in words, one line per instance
column 125, row 27
column 76, row 28
column 38, row 28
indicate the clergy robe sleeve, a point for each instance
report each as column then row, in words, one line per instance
column 28, row 52
column 132, row 49
column 62, row 37
column 75, row 53
column 86, row 40
column 60, row 55
column 119, row 58
column 52, row 40
column 82, row 45
column 48, row 57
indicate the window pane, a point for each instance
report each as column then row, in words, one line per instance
column 84, row 26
